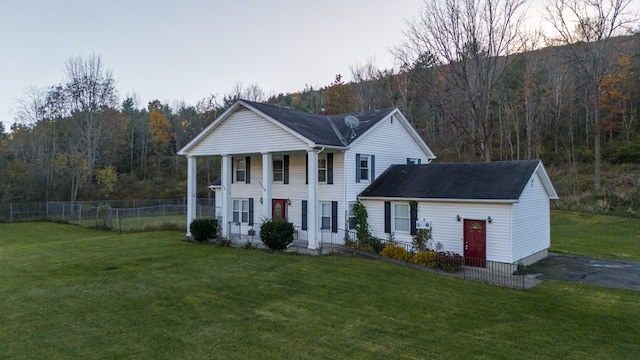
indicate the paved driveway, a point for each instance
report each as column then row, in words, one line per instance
column 607, row 273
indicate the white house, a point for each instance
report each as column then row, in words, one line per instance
column 497, row 211
column 308, row 168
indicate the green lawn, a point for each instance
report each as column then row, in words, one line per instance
column 74, row 293
column 595, row 235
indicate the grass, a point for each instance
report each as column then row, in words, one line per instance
column 69, row 292
column 598, row 236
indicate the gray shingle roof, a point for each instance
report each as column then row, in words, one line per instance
column 328, row 130
column 500, row 180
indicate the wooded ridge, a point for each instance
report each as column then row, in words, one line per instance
column 573, row 104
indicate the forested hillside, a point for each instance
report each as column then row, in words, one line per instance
column 574, row 103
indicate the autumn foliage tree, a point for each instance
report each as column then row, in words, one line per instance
column 339, row 97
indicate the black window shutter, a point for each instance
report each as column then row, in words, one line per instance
column 373, row 167
column 387, row 217
column 413, row 217
column 304, row 214
column 334, row 216
column 306, row 173
column 357, row 168
column 329, row 168
column 233, row 166
column 409, row 161
column 419, row 161
column 250, row 211
column 247, row 170
column 285, row 169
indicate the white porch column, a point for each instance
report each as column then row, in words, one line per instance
column 267, row 180
column 227, row 205
column 191, row 191
column 312, row 204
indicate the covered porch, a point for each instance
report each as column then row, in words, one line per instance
column 259, row 194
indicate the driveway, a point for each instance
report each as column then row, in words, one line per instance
column 572, row 268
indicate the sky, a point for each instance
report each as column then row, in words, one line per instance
column 189, row 49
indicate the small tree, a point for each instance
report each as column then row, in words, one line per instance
column 276, row 234
column 362, row 224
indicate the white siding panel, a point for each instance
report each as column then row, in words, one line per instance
column 247, row 132
column 448, row 231
column 390, row 143
column 531, row 221
column 297, row 189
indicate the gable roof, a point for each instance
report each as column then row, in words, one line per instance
column 328, row 130
column 314, row 129
column 489, row 181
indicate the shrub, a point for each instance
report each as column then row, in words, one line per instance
column 395, row 252
column 425, row 258
column 203, row 229
column 421, row 240
column 371, row 244
column 276, row 234
column 449, row 261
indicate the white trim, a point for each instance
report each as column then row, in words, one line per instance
column 490, row 201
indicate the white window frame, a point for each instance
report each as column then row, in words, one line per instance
column 325, row 215
column 240, row 211
column 400, row 217
column 322, row 168
column 240, row 167
column 278, row 170
column 365, row 170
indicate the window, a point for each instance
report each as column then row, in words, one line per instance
column 351, row 216
column 401, row 217
column 241, row 211
column 413, row 161
column 364, row 167
column 241, row 169
column 278, row 170
column 325, row 216
column 322, row 169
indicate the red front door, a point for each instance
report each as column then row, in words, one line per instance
column 475, row 243
column 279, row 209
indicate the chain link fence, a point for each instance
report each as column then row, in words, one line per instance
column 117, row 215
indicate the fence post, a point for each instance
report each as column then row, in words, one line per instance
column 10, row 212
column 79, row 215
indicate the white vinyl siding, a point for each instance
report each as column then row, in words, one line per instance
column 531, row 220
column 247, row 132
column 391, row 144
column 450, row 232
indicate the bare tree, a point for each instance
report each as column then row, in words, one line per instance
column 91, row 89
column 586, row 25
column 475, row 39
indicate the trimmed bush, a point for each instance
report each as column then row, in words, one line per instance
column 449, row 261
column 203, row 229
column 395, row 252
column 276, row 234
column 425, row 258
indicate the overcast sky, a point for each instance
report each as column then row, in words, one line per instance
column 189, row 49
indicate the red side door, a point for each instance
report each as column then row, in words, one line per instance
column 279, row 209
column 475, row 243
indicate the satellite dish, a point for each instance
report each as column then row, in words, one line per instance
column 352, row 121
